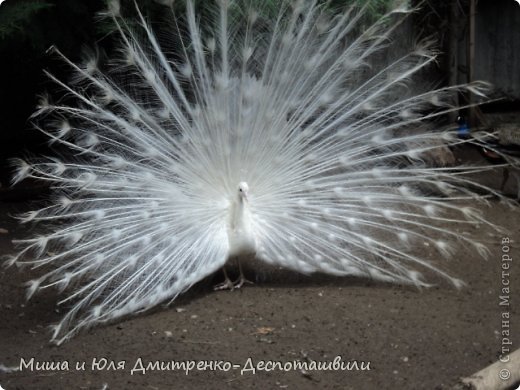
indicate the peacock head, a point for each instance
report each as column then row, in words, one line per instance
column 243, row 189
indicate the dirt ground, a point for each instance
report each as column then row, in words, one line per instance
column 413, row 339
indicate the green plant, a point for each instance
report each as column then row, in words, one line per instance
column 14, row 16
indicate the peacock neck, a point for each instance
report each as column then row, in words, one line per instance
column 240, row 233
column 240, row 214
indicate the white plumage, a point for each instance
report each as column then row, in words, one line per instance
column 241, row 237
column 252, row 137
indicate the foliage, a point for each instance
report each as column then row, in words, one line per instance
column 14, row 16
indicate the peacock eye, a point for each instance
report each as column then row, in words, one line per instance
column 240, row 189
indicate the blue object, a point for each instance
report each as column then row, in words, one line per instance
column 463, row 129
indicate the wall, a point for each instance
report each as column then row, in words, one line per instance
column 497, row 50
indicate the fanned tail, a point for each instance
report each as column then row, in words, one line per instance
column 331, row 143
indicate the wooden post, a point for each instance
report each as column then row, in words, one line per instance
column 471, row 59
column 453, row 60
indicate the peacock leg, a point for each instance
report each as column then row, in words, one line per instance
column 242, row 279
column 227, row 284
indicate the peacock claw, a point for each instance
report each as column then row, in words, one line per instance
column 241, row 281
column 226, row 285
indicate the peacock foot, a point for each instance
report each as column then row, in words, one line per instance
column 241, row 281
column 226, row 285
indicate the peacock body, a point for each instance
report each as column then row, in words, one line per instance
column 251, row 138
